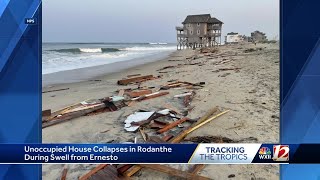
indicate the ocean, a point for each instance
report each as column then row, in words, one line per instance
column 57, row 57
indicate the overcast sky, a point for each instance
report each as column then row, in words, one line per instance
column 150, row 20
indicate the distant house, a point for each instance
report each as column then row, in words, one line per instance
column 199, row 31
column 233, row 38
column 258, row 36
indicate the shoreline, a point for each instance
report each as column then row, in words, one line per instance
column 96, row 72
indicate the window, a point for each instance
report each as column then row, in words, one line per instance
column 191, row 32
column 198, row 31
column 189, row 25
column 198, row 24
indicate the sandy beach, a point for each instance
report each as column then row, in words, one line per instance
column 250, row 91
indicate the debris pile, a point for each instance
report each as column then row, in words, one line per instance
column 167, row 124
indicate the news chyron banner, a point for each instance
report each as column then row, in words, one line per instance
column 158, row 153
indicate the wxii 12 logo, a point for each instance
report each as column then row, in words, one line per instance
column 280, row 153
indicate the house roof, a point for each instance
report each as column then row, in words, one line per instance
column 201, row 18
column 232, row 33
column 215, row 20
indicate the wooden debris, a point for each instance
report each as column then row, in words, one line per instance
column 108, row 172
column 206, row 121
column 105, row 131
column 130, row 172
column 172, row 125
column 64, row 173
column 46, row 113
column 184, row 133
column 134, row 94
column 133, row 75
column 166, row 138
column 172, row 85
column 143, row 134
column 72, row 115
column 93, row 171
column 166, row 67
column 228, row 69
column 187, row 99
column 174, row 172
column 150, row 96
column 196, row 168
column 131, row 103
column 183, row 95
column 156, row 125
column 123, row 168
column 121, row 92
column 155, row 139
column 211, row 139
column 135, row 79
column 55, row 90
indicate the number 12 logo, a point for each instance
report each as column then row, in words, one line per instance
column 280, row 153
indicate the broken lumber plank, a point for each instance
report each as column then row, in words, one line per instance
column 135, row 168
column 93, row 171
column 131, row 103
column 121, row 92
column 184, row 133
column 121, row 170
column 174, row 172
column 135, row 94
column 150, row 96
column 167, row 137
column 143, row 134
column 155, row 139
column 172, row 125
column 196, row 168
column 64, row 173
column 46, row 113
column 133, row 75
column 187, row 99
column 183, row 95
column 166, row 67
column 206, row 121
column 130, row 172
column 72, row 115
column 108, row 172
column 55, row 90
column 134, row 79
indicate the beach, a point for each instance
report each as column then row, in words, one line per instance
column 243, row 78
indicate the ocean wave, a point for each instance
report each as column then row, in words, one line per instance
column 86, row 50
column 141, row 48
column 159, row 43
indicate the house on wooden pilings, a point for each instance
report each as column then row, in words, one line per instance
column 199, row 31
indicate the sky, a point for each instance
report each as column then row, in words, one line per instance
column 150, row 20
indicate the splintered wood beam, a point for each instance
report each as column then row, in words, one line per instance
column 174, row 172
column 184, row 133
column 172, row 125
column 150, row 96
column 93, row 171
column 55, row 90
column 71, row 115
column 134, row 94
column 64, row 173
column 121, row 92
column 134, row 79
column 130, row 172
column 196, row 168
column 206, row 121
